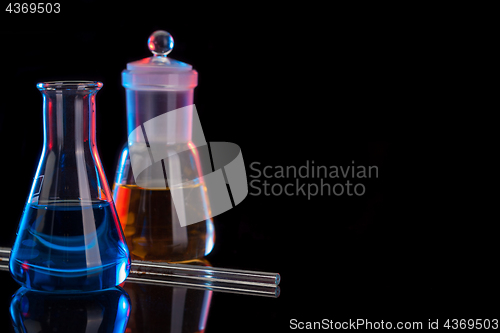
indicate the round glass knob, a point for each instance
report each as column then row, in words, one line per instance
column 160, row 43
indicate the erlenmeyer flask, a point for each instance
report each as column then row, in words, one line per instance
column 69, row 237
column 156, row 86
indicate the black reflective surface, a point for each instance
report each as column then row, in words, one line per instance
column 133, row 307
column 103, row 311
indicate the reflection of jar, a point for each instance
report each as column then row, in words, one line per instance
column 155, row 86
column 167, row 309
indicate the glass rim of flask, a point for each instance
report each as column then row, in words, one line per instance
column 69, row 85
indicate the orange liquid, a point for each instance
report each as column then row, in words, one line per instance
column 151, row 228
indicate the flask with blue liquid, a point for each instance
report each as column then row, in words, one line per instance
column 69, row 237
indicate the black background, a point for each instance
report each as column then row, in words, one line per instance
column 288, row 85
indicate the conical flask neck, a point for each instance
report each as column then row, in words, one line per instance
column 69, row 120
column 70, row 168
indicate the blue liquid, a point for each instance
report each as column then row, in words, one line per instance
column 69, row 247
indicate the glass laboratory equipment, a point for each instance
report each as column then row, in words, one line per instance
column 69, row 237
column 155, row 86
column 103, row 311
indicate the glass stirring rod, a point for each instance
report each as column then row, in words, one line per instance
column 146, row 269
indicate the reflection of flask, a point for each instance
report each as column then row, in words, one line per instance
column 69, row 237
column 102, row 311
column 155, row 86
column 167, row 309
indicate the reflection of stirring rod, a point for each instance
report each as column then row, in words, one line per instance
column 221, row 279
